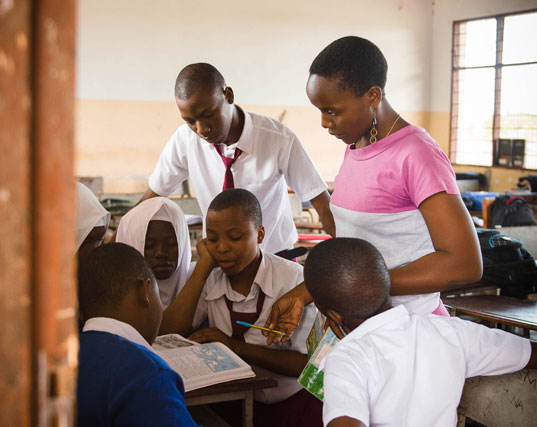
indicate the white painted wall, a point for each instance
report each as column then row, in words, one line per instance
column 133, row 49
column 444, row 13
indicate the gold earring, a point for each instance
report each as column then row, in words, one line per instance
column 373, row 132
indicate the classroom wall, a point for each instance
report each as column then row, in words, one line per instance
column 130, row 51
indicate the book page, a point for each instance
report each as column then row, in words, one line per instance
column 169, row 341
column 200, row 365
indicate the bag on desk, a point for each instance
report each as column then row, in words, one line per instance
column 507, row 264
column 511, row 211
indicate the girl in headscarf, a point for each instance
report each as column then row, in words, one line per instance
column 91, row 220
column 158, row 229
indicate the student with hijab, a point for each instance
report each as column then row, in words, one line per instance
column 91, row 221
column 157, row 228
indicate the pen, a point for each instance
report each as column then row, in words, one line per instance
column 259, row 327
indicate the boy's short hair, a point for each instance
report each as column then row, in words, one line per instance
column 357, row 63
column 196, row 76
column 107, row 274
column 239, row 197
column 348, row 276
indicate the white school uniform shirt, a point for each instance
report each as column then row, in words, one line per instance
column 398, row 369
column 116, row 327
column 272, row 158
column 275, row 277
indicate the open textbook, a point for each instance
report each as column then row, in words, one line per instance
column 201, row 365
column 320, row 341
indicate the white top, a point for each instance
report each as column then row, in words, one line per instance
column 132, row 231
column 272, row 159
column 116, row 327
column 398, row 369
column 275, row 276
column 89, row 213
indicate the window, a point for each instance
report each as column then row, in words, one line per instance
column 494, row 87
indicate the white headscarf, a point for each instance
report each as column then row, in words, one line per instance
column 132, row 230
column 89, row 214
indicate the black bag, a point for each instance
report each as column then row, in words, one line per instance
column 507, row 264
column 511, row 211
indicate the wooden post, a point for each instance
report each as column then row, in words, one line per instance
column 37, row 212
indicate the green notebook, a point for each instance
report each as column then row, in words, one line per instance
column 320, row 341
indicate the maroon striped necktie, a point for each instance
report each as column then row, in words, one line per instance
column 228, row 179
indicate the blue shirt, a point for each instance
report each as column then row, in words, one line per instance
column 121, row 383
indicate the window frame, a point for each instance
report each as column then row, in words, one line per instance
column 498, row 68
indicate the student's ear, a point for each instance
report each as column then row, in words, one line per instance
column 374, row 96
column 335, row 321
column 335, row 317
column 229, row 95
column 260, row 234
column 144, row 290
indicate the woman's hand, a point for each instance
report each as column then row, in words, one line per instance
column 286, row 313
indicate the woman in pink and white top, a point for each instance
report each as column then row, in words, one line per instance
column 395, row 188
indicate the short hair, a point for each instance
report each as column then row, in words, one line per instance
column 348, row 276
column 355, row 62
column 196, row 76
column 239, row 197
column 107, row 274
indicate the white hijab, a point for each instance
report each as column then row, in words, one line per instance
column 89, row 214
column 133, row 229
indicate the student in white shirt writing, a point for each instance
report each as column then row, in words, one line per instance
column 243, row 287
column 222, row 146
column 394, row 368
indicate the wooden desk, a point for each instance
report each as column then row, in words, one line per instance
column 495, row 308
column 234, row 390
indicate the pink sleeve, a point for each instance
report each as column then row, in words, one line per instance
column 428, row 171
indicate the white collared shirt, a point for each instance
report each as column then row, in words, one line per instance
column 275, row 277
column 398, row 369
column 272, row 159
column 116, row 327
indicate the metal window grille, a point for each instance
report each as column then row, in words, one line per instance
column 494, row 86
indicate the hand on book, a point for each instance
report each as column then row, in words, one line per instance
column 212, row 335
column 286, row 314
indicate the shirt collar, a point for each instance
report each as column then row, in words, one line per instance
column 392, row 315
column 246, row 140
column 376, row 322
column 263, row 279
column 116, row 327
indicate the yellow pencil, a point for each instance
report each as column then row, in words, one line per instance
column 260, row 327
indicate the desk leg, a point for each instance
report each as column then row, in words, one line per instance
column 248, row 409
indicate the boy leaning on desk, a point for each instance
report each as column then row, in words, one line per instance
column 391, row 367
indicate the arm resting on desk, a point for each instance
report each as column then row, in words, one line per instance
column 345, row 422
column 290, row 363
column 532, row 363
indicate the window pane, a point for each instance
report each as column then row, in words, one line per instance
column 475, row 109
column 520, row 38
column 477, row 43
column 519, row 109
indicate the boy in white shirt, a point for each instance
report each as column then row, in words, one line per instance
column 222, row 146
column 394, row 368
column 243, row 287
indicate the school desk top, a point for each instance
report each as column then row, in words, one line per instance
column 242, row 389
column 496, row 308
